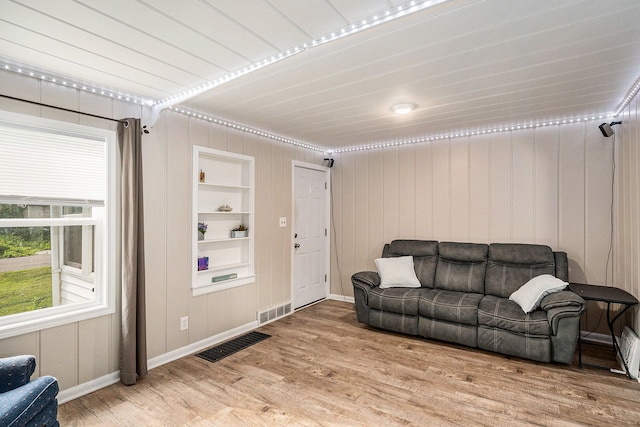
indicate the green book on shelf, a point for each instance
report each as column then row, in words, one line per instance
column 224, row 277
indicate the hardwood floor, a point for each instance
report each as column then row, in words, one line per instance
column 322, row 368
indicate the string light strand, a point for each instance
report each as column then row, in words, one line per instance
column 467, row 133
column 49, row 78
column 247, row 129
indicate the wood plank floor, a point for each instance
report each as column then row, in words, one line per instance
column 322, row 368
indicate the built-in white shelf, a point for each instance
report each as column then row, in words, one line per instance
column 229, row 179
column 224, row 213
column 226, row 239
column 223, row 267
column 239, row 187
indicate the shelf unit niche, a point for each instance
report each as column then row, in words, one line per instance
column 229, row 179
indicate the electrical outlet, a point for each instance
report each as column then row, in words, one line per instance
column 184, row 323
column 283, row 221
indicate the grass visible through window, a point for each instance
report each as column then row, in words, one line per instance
column 25, row 290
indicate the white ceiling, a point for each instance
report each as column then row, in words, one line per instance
column 465, row 63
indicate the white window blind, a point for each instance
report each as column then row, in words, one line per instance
column 51, row 167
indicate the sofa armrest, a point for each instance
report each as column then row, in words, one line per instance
column 365, row 281
column 30, row 404
column 560, row 305
column 562, row 299
column 366, row 278
column 16, row 371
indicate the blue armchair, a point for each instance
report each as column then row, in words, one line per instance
column 24, row 402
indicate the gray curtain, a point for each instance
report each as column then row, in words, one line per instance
column 133, row 345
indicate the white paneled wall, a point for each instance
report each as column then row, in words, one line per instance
column 627, row 242
column 549, row 185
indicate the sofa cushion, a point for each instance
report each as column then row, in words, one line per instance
column 511, row 265
column 532, row 347
column 452, row 306
column 425, row 257
column 504, row 314
column 396, row 322
column 529, row 295
column 395, row 300
column 447, row 331
column 397, row 272
column 461, row 266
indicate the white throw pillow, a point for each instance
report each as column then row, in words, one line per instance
column 397, row 272
column 530, row 294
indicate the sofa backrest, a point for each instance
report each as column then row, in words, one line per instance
column 425, row 257
column 562, row 265
column 497, row 269
column 461, row 266
column 512, row 264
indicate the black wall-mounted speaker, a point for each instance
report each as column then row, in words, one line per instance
column 606, row 130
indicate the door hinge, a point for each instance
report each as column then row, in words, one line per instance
column 325, row 231
column 325, row 185
column 325, row 278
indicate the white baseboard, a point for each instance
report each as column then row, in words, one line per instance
column 112, row 378
column 200, row 345
column 88, row 387
column 338, row 297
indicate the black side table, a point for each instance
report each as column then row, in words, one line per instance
column 609, row 295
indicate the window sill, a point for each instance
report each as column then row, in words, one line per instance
column 51, row 317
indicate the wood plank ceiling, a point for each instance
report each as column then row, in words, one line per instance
column 465, row 64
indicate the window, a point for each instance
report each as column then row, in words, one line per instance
column 77, row 241
column 57, row 223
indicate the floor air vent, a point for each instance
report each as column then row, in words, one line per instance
column 273, row 313
column 230, row 347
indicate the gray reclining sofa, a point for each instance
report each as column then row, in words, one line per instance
column 464, row 298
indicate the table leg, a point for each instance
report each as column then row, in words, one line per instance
column 580, row 343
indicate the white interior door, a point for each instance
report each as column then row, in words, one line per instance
column 310, row 267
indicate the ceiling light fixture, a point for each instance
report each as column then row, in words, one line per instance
column 403, row 108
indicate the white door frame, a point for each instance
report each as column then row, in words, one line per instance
column 327, row 174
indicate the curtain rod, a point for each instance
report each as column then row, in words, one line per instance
column 63, row 109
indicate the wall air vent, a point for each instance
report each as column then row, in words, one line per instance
column 273, row 313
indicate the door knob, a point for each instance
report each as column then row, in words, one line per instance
column 297, row 245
